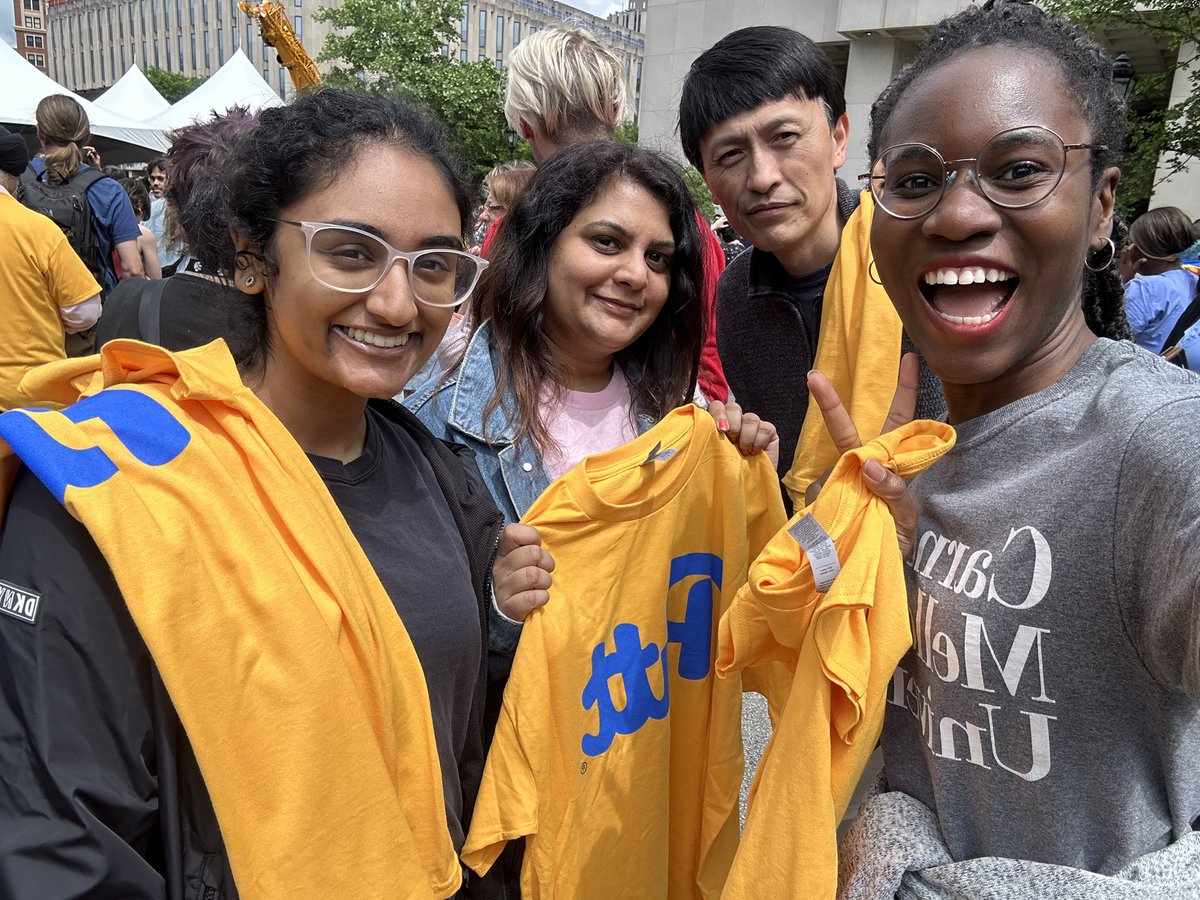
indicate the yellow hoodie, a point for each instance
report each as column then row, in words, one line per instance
column 295, row 680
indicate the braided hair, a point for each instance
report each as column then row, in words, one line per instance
column 1087, row 69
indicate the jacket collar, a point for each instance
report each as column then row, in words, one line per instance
column 474, row 386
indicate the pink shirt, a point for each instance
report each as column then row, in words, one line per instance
column 584, row 423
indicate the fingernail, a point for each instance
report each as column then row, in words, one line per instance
column 874, row 471
column 722, row 424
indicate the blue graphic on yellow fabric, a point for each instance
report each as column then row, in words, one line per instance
column 633, row 661
column 147, row 430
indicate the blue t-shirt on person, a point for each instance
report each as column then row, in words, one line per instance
column 114, row 220
column 1154, row 304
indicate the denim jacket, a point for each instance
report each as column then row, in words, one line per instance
column 452, row 407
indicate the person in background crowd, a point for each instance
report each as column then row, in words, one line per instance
column 169, row 254
column 139, row 197
column 200, row 303
column 504, row 185
column 1158, row 289
column 290, row 477
column 564, row 88
column 45, row 289
column 1041, row 735
column 762, row 116
column 731, row 244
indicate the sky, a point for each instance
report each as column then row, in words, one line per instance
column 597, row 7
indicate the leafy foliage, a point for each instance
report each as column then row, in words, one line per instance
column 172, row 85
column 1172, row 132
column 394, row 46
column 627, row 133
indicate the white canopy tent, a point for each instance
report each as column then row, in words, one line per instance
column 237, row 83
column 25, row 86
column 134, row 96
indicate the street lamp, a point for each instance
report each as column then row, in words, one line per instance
column 511, row 137
column 1123, row 75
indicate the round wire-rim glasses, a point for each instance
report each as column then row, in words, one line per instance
column 1016, row 168
column 431, row 273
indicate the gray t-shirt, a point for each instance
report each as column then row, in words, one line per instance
column 1050, row 707
column 390, row 498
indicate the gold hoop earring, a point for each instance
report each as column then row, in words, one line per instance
column 1112, row 254
column 873, row 273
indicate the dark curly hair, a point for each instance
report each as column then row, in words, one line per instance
column 304, row 147
column 139, row 196
column 1087, row 69
column 512, row 292
column 200, row 164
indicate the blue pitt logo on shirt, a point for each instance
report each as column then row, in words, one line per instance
column 632, row 661
column 148, row 431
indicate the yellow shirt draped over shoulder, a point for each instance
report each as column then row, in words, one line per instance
column 296, row 683
column 843, row 644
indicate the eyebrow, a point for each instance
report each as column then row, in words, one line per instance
column 626, row 233
column 451, row 242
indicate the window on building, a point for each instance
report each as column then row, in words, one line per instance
column 112, row 59
column 462, row 55
column 266, row 75
column 233, row 9
column 516, row 33
column 267, row 58
column 204, row 11
column 220, row 50
column 249, row 39
column 192, row 12
column 153, row 17
column 298, row 24
column 37, row 59
column 235, row 34
column 145, row 55
column 195, row 63
column 179, row 44
column 28, row 22
column 92, row 64
column 166, row 14
column 141, row 14
column 499, row 63
column 167, row 50
column 207, row 52
column 483, row 17
column 445, row 49
column 638, row 84
column 462, row 25
column 29, row 40
column 482, row 57
column 283, row 80
column 217, row 10
column 499, row 35
column 33, row 5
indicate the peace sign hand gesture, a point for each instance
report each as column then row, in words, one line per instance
column 887, row 486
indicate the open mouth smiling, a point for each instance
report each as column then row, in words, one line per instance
column 968, row 295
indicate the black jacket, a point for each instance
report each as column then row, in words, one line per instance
column 100, row 793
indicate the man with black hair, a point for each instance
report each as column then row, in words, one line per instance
column 763, row 117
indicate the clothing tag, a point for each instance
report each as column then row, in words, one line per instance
column 658, row 454
column 18, row 602
column 817, row 543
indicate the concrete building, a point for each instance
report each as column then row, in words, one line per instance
column 33, row 41
column 95, row 41
column 868, row 40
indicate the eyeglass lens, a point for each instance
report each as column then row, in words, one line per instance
column 1014, row 169
column 353, row 261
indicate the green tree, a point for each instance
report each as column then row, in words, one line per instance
column 1173, row 132
column 627, row 133
column 394, row 46
column 172, row 85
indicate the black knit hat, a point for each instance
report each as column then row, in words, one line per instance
column 14, row 155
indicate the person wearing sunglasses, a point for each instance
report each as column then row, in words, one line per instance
column 1040, row 735
column 251, row 658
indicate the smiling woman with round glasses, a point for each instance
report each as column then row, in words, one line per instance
column 255, row 659
column 1041, row 734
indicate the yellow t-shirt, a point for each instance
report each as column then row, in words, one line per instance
column 843, row 640
column 39, row 274
column 618, row 753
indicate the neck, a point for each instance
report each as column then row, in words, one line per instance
column 819, row 248
column 8, row 182
column 1159, row 266
column 1041, row 369
column 587, row 374
column 327, row 423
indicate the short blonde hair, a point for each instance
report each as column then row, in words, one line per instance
column 562, row 81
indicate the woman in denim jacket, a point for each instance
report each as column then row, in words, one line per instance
column 590, row 325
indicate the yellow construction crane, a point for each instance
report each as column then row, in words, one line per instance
column 277, row 32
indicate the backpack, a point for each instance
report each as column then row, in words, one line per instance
column 67, row 206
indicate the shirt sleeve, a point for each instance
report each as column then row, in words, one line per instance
column 116, row 212
column 1158, row 544
column 1143, row 309
column 68, row 281
column 78, row 797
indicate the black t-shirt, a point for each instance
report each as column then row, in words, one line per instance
column 394, row 507
column 194, row 311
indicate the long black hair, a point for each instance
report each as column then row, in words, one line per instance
column 512, row 292
column 1087, row 69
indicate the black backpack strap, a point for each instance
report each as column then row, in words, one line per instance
column 1190, row 317
column 85, row 178
column 149, row 315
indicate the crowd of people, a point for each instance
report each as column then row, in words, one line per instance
column 281, row 526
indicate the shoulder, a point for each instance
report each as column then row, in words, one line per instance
column 735, row 280
column 1153, row 401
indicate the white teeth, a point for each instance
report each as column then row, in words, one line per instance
column 968, row 320
column 968, row 275
column 373, row 339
